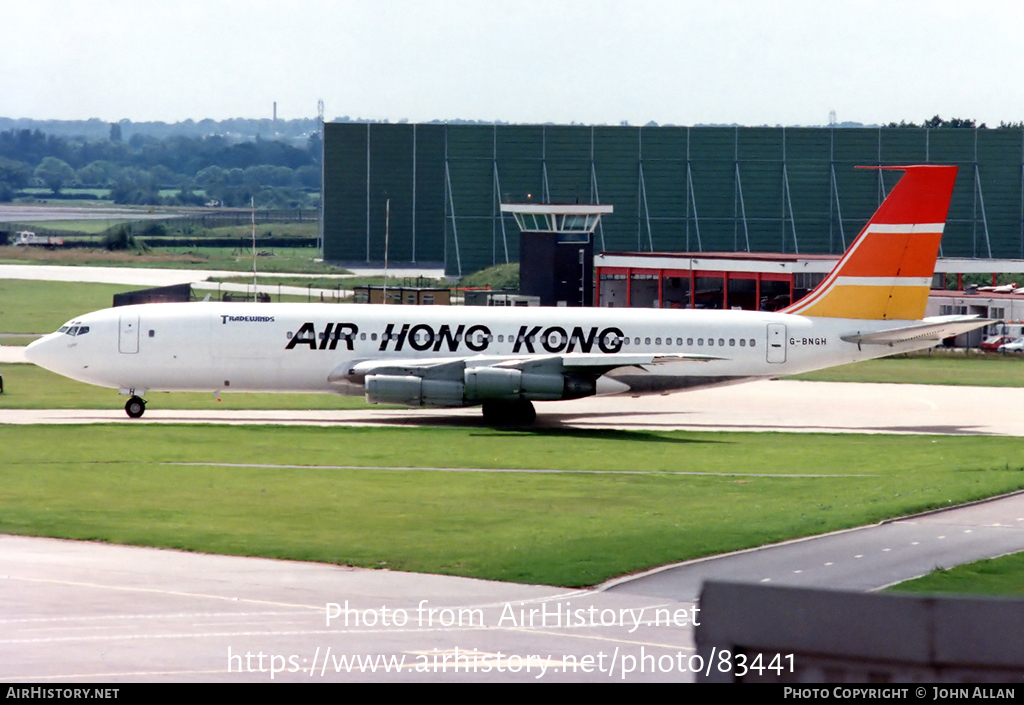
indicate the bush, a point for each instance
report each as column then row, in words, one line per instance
column 122, row 238
column 154, row 228
column 503, row 277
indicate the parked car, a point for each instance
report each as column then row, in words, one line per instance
column 1014, row 346
column 992, row 343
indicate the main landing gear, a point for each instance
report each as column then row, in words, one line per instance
column 509, row 413
column 135, row 407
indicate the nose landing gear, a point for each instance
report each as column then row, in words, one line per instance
column 135, row 407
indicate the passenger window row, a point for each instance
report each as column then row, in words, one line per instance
column 479, row 339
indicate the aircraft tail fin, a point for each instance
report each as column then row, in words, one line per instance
column 887, row 271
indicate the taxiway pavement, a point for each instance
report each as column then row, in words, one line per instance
column 85, row 612
column 862, row 559
column 770, row 405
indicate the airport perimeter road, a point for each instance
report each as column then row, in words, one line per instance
column 862, row 559
column 152, row 277
column 81, row 612
column 133, row 276
column 30, row 214
column 783, row 405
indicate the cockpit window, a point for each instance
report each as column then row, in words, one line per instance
column 73, row 330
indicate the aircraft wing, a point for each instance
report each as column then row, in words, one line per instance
column 936, row 328
column 589, row 362
column 453, row 367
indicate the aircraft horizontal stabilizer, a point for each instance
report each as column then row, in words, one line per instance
column 936, row 328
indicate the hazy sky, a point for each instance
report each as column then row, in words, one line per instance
column 684, row 62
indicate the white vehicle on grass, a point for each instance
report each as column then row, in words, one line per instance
column 1014, row 346
column 27, row 238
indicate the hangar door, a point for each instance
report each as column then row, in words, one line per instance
column 128, row 339
column 776, row 342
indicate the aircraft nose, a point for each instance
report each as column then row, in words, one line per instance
column 44, row 352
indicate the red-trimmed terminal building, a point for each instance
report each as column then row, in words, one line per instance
column 755, row 281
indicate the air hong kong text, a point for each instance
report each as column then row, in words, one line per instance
column 478, row 337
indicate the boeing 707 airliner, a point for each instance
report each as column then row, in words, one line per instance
column 871, row 305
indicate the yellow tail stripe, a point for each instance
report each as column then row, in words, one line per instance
column 871, row 302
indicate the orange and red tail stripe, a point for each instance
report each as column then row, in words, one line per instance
column 887, row 272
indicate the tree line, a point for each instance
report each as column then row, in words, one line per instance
column 276, row 173
column 292, row 131
column 960, row 123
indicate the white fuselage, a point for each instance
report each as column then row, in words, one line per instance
column 232, row 347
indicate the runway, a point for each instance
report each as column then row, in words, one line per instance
column 771, row 405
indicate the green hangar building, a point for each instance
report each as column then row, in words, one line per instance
column 674, row 189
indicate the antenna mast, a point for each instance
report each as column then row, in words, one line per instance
column 252, row 202
column 387, row 233
column 320, row 228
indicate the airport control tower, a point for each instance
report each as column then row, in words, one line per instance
column 556, row 251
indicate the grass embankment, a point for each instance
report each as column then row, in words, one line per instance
column 114, row 483
column 997, row 576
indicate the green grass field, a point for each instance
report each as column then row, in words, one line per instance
column 289, row 260
column 997, row 576
column 31, row 387
column 293, row 260
column 940, row 367
column 39, row 307
column 118, row 483
column 28, row 306
column 91, row 226
column 304, row 229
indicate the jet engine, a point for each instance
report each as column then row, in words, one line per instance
column 477, row 385
column 413, row 391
